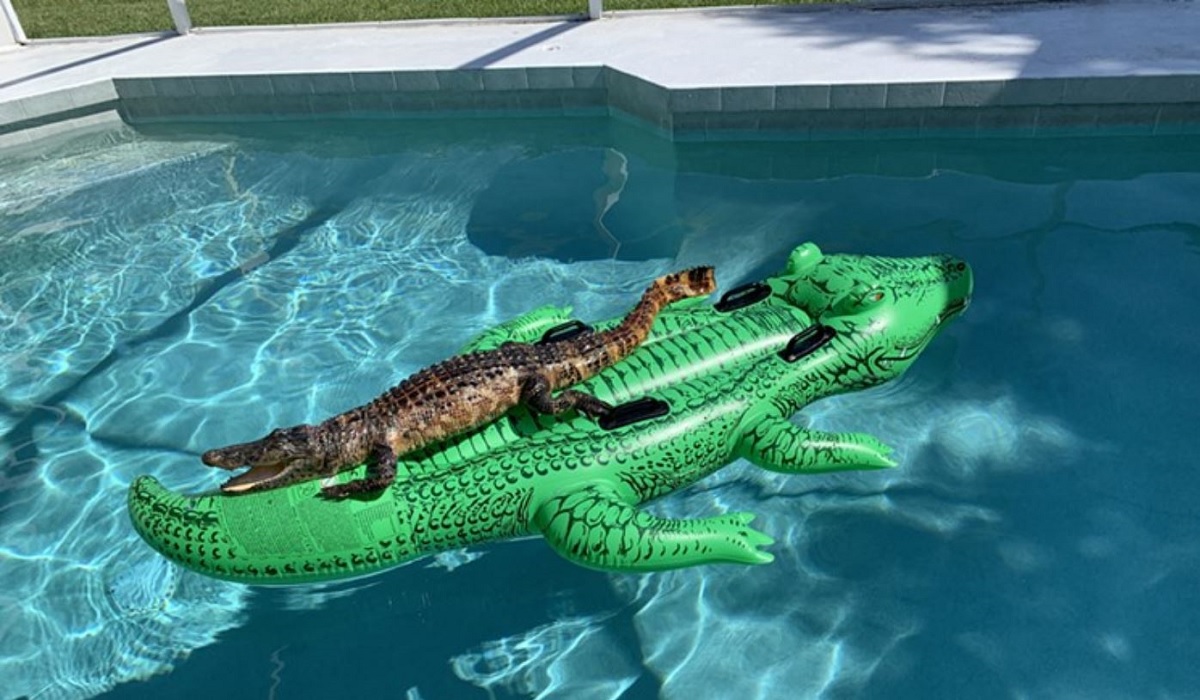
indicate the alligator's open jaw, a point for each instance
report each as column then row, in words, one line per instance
column 256, row 475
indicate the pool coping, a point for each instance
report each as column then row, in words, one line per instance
column 1158, row 95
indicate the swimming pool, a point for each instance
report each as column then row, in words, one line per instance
column 166, row 290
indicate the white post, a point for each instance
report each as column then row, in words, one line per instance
column 595, row 9
column 10, row 29
column 179, row 15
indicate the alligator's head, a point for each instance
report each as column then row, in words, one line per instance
column 884, row 311
column 284, row 456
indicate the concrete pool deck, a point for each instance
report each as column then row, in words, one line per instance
column 703, row 62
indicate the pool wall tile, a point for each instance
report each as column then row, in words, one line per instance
column 973, row 93
column 505, row 79
column 748, row 99
column 378, row 81
column 133, row 88
column 460, row 80
column 894, row 123
column 415, row 80
column 1022, row 107
column 587, row 77
column 802, row 96
column 907, row 95
column 857, row 96
column 1030, row 91
column 1005, row 122
column 212, row 86
column 551, row 77
column 639, row 98
column 251, row 85
column 1065, row 116
column 173, row 87
column 329, row 103
column 291, row 84
column 694, row 100
column 331, row 83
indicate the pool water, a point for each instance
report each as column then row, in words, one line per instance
column 187, row 286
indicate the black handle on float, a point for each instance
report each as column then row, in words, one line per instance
column 742, row 296
column 806, row 342
column 564, row 331
column 634, row 411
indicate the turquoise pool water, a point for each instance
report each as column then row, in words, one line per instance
column 188, row 286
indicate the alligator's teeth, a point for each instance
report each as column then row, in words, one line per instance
column 255, row 475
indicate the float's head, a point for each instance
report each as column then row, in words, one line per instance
column 284, row 456
column 884, row 311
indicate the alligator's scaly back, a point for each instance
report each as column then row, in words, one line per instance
column 448, row 399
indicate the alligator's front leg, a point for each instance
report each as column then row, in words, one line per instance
column 381, row 472
column 594, row 526
column 535, row 393
column 775, row 443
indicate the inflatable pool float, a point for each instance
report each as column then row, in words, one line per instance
column 712, row 383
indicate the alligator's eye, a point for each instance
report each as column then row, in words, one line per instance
column 874, row 297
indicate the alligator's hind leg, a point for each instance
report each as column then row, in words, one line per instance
column 776, row 444
column 381, row 472
column 594, row 526
column 536, row 394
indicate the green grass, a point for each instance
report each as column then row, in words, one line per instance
column 55, row 18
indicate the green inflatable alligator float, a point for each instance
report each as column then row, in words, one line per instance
column 711, row 384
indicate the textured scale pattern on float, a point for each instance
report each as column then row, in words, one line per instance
column 711, row 384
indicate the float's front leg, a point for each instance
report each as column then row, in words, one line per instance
column 776, row 444
column 594, row 526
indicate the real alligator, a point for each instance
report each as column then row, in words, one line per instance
column 711, row 384
column 449, row 398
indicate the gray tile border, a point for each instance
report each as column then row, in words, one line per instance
column 895, row 123
column 694, row 100
column 505, row 79
column 173, row 87
column 291, row 84
column 1066, row 116
column 973, row 93
column 857, row 96
column 1031, row 91
column 212, row 86
column 802, row 96
column 331, row 83
column 460, row 80
column 251, row 85
column 134, row 88
column 907, row 95
column 747, row 99
column 1007, row 121
column 589, row 77
column 415, row 80
column 1020, row 107
column 381, row 81
column 551, row 77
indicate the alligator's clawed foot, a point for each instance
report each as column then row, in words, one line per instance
column 370, row 488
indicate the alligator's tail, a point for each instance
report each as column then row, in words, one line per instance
column 668, row 289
